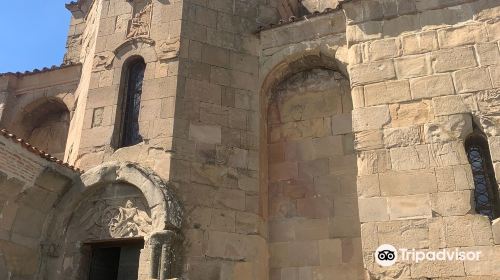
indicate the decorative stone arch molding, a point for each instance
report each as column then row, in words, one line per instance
column 144, row 47
column 115, row 201
column 166, row 209
column 299, row 57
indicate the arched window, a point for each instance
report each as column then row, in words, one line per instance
column 486, row 188
column 132, row 103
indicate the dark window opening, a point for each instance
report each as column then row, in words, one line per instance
column 130, row 134
column 115, row 260
column 486, row 189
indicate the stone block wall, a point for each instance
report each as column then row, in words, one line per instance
column 216, row 139
column 101, row 112
column 285, row 170
column 313, row 214
column 38, row 106
column 423, row 73
column 30, row 186
column 306, row 100
column 197, row 118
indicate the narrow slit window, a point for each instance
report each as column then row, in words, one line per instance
column 132, row 104
column 486, row 189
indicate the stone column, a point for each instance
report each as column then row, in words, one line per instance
column 163, row 254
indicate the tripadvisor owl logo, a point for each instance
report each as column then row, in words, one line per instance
column 386, row 255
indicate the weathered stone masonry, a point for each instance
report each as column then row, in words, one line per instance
column 285, row 152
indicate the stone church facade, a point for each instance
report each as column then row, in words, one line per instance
column 256, row 139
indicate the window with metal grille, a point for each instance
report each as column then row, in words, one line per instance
column 486, row 188
column 130, row 134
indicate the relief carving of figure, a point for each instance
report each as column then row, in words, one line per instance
column 139, row 25
column 106, row 218
column 103, row 61
column 169, row 49
column 129, row 222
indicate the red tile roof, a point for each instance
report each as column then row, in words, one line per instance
column 36, row 71
column 5, row 133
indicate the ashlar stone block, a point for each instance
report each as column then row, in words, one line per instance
column 402, row 136
column 412, row 233
column 462, row 35
column 409, row 114
column 410, row 158
column 453, row 59
column 330, row 252
column 449, row 105
column 420, row 43
column 429, row 269
column 304, row 253
column 413, row 66
column 469, row 80
column 489, row 53
column 383, row 49
column 387, row 92
column 372, row 72
column 458, row 231
column 370, row 118
column 407, row 183
column 452, row 203
column 209, row 134
column 371, row 162
column 431, row 86
column 410, row 207
column 368, row 140
column 373, row 209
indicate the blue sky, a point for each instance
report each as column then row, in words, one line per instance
column 33, row 34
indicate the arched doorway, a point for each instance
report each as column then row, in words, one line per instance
column 124, row 222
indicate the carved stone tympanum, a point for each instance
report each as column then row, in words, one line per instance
column 116, row 217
